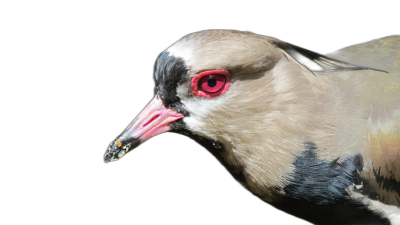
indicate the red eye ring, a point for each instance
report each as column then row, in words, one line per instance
column 201, row 85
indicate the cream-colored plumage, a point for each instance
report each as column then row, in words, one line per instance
column 345, row 116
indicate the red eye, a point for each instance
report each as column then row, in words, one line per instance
column 210, row 83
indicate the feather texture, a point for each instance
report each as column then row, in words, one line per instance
column 317, row 136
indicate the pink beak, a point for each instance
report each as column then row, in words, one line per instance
column 154, row 119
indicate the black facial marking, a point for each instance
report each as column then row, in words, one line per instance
column 168, row 72
column 177, row 126
column 317, row 191
column 217, row 149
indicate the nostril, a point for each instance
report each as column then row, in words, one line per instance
column 151, row 120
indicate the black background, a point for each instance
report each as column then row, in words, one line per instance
column 101, row 62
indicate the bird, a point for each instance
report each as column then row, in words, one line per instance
column 316, row 136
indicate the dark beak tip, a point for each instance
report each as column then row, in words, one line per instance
column 107, row 158
column 116, row 150
column 108, row 155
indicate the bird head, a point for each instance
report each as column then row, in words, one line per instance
column 201, row 82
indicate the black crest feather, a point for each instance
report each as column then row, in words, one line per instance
column 313, row 60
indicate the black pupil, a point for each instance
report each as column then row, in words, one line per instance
column 212, row 82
